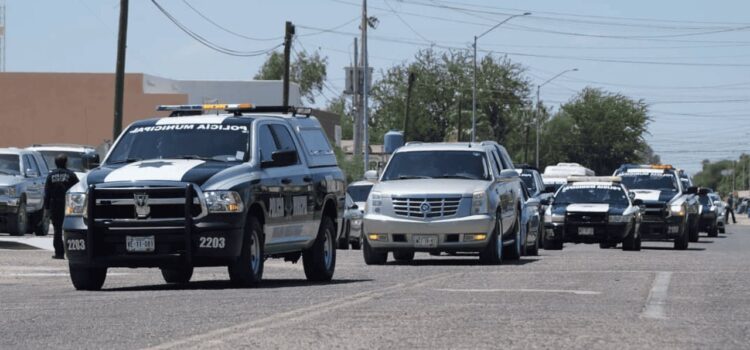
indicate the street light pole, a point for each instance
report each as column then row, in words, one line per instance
column 474, row 89
column 537, row 111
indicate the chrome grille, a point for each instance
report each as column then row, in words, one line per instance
column 163, row 203
column 422, row 207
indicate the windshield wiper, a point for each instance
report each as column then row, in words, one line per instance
column 458, row 177
column 410, row 177
column 126, row 160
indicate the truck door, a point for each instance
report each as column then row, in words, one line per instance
column 35, row 184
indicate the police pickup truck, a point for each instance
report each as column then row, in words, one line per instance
column 593, row 209
column 198, row 189
column 670, row 211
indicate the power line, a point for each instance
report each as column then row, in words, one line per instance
column 406, row 23
column 217, row 25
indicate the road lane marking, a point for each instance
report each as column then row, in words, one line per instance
column 657, row 298
column 222, row 335
column 502, row 290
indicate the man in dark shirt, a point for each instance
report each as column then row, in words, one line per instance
column 58, row 183
column 730, row 209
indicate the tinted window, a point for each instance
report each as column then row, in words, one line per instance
column 9, row 164
column 528, row 180
column 266, row 143
column 217, row 142
column 316, row 142
column 507, row 164
column 75, row 159
column 31, row 164
column 705, row 200
column 649, row 181
column 438, row 164
column 283, row 139
column 591, row 194
column 359, row 193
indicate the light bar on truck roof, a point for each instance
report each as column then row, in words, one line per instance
column 662, row 166
column 204, row 107
column 615, row 179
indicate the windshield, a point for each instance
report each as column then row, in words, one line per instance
column 9, row 164
column 705, row 200
column 655, row 181
column 75, row 159
column 528, row 180
column 359, row 193
column 592, row 194
column 217, row 142
column 437, row 164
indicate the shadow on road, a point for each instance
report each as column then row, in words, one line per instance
column 456, row 262
column 16, row 246
column 220, row 285
column 670, row 248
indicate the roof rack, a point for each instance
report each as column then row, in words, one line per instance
column 616, row 179
column 236, row 108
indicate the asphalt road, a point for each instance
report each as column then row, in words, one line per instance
column 581, row 297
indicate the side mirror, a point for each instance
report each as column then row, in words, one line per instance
column 281, row 158
column 638, row 202
column 90, row 160
column 354, row 207
column 507, row 173
column 692, row 190
column 371, row 175
column 31, row 173
column 717, row 203
column 631, row 195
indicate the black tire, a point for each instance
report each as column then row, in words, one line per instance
column 343, row 241
column 513, row 252
column 403, row 256
column 681, row 242
column 180, row 275
column 41, row 228
column 722, row 230
column 320, row 260
column 533, row 250
column 713, row 231
column 605, row 245
column 493, row 253
column 372, row 256
column 694, row 233
column 553, row 244
column 247, row 270
column 631, row 241
column 357, row 245
column 18, row 224
column 87, row 278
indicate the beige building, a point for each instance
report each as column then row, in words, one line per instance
column 78, row 108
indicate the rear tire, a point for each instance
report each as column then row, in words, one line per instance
column 343, row 242
column 553, row 244
column 632, row 241
column 713, row 231
column 533, row 250
column 41, row 228
column 694, row 233
column 247, row 270
column 493, row 253
column 372, row 256
column 180, row 275
column 320, row 260
column 18, row 224
column 403, row 256
column 357, row 245
column 513, row 252
column 87, row 278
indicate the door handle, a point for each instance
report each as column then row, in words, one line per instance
column 286, row 181
column 307, row 179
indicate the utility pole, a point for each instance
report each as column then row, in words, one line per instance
column 409, row 88
column 459, row 131
column 365, row 109
column 122, row 38
column 537, row 117
column 526, row 139
column 288, row 34
column 356, row 103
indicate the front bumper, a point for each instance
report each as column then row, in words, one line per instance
column 8, row 205
column 610, row 232
column 662, row 228
column 452, row 234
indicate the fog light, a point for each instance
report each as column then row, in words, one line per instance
column 475, row 237
column 377, row 237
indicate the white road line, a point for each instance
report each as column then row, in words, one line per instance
column 657, row 298
column 222, row 335
column 500, row 290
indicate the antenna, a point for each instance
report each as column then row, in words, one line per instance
column 2, row 35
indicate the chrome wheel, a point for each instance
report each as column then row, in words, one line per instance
column 499, row 245
column 327, row 249
column 255, row 253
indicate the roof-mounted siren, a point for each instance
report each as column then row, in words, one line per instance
column 196, row 109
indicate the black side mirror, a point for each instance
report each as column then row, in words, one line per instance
column 692, row 190
column 545, row 201
column 90, row 160
column 638, row 202
column 281, row 158
column 354, row 206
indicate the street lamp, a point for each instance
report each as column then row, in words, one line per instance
column 474, row 90
column 538, row 87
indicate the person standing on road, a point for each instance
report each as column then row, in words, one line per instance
column 58, row 183
column 730, row 209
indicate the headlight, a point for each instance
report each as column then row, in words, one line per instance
column 554, row 218
column 8, row 191
column 677, row 210
column 223, row 202
column 479, row 203
column 375, row 201
column 619, row 218
column 75, row 204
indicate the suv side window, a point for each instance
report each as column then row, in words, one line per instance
column 495, row 160
column 283, row 138
column 30, row 164
column 266, row 143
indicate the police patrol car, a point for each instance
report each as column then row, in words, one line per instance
column 593, row 209
column 669, row 212
column 199, row 189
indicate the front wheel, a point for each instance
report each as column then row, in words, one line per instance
column 247, row 270
column 372, row 256
column 320, row 260
column 180, row 275
column 713, row 231
column 513, row 252
column 694, row 232
column 681, row 242
column 87, row 278
column 533, row 250
column 18, row 224
column 493, row 253
column 632, row 241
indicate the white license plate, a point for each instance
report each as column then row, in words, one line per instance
column 674, row 229
column 585, row 231
column 425, row 241
column 140, row 244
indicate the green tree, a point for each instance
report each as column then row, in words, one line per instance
column 598, row 129
column 724, row 175
column 307, row 70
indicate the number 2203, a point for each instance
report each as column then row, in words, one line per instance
column 212, row 242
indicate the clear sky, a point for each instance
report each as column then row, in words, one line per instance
column 688, row 59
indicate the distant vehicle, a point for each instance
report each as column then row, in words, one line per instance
column 668, row 214
column 594, row 210
column 445, row 197
column 80, row 158
column 356, row 203
column 721, row 209
column 536, row 189
column 552, row 184
column 563, row 170
column 531, row 224
column 692, row 202
column 709, row 214
column 23, row 174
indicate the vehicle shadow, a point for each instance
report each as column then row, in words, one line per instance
column 16, row 246
column 221, row 285
column 457, row 262
column 670, row 248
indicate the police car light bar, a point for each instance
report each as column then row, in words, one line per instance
column 616, row 179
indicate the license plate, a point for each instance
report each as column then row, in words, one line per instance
column 585, row 231
column 425, row 241
column 140, row 244
column 674, row 229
